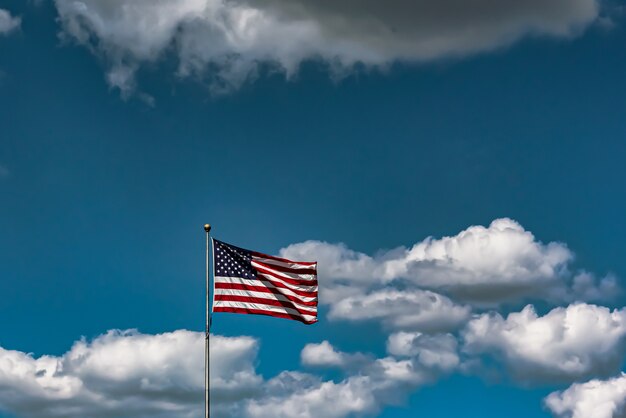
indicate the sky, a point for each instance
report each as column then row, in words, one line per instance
column 455, row 168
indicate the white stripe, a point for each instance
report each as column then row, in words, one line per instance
column 290, row 264
column 263, row 295
column 264, row 282
column 284, row 274
column 268, row 308
column 239, row 280
column 300, row 287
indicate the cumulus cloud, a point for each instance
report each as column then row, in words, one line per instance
column 483, row 265
column 378, row 382
column 328, row 399
column 228, row 39
column 403, row 309
column 436, row 351
column 8, row 23
column 565, row 344
column 325, row 355
column 593, row 399
column 355, row 395
column 126, row 373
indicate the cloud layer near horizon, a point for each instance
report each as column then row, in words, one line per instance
column 126, row 373
column 428, row 335
column 129, row 373
column 226, row 41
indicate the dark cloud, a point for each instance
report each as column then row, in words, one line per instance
column 226, row 41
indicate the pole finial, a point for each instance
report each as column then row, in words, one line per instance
column 207, row 227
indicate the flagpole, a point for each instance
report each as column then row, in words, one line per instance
column 207, row 396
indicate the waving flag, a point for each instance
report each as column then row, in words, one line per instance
column 249, row 282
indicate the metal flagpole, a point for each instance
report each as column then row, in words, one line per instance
column 207, row 396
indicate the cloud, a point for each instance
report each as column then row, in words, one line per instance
column 403, row 309
column 356, row 395
column 565, row 344
column 376, row 383
column 126, row 373
column 593, row 399
column 327, row 399
column 436, row 351
column 481, row 265
column 8, row 23
column 325, row 355
column 228, row 40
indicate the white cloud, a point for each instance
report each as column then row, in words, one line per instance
column 585, row 286
column 403, row 309
column 325, row 355
column 229, row 39
column 434, row 351
column 327, row 399
column 593, row 399
column 125, row 373
column 322, row 354
column 483, row 265
column 129, row 373
column 8, row 23
column 566, row 343
column 376, row 383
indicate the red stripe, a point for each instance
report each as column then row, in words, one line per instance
column 301, row 282
column 270, row 283
column 238, row 286
column 261, row 301
column 285, row 269
column 272, row 278
column 283, row 260
column 262, row 312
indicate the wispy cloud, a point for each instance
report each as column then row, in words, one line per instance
column 8, row 23
column 4, row 171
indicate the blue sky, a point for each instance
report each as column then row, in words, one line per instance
column 118, row 141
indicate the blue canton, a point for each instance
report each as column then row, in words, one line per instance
column 231, row 261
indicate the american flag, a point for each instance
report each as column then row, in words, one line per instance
column 249, row 282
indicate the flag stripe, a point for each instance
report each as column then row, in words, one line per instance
column 285, row 292
column 283, row 261
column 281, row 268
column 262, row 307
column 286, row 272
column 264, row 301
column 285, row 289
column 269, row 295
column 276, row 280
column 268, row 313
column 284, row 276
